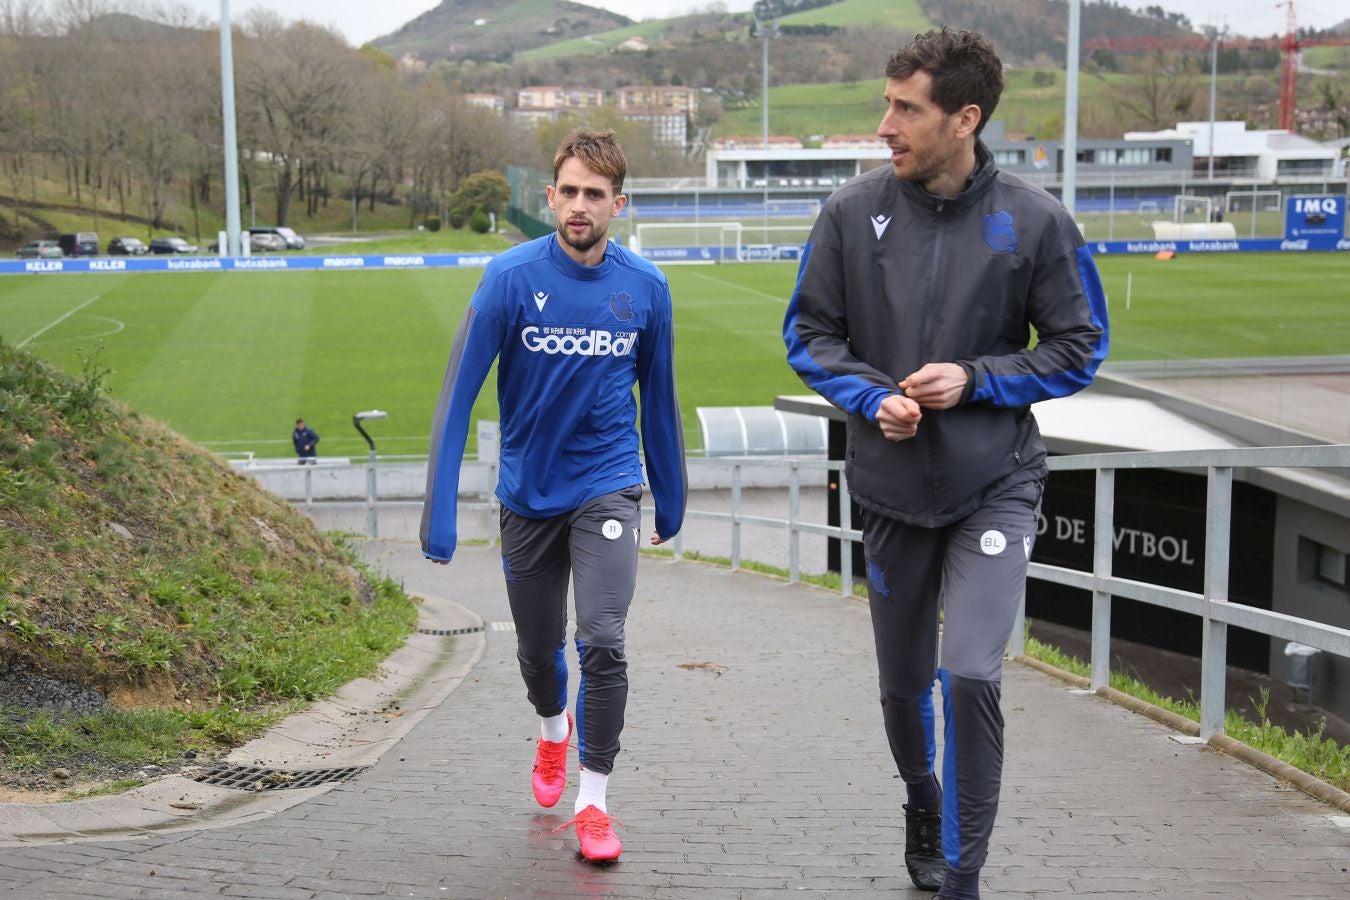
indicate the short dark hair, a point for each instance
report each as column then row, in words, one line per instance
column 299, row 421
column 598, row 150
column 963, row 65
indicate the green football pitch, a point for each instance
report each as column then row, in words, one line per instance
column 230, row 359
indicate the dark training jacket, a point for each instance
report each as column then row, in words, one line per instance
column 894, row 278
column 302, row 437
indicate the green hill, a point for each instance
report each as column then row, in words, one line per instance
column 179, row 604
column 1027, row 107
column 652, row 31
column 484, row 30
column 902, row 15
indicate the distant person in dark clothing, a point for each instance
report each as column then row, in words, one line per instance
column 305, row 440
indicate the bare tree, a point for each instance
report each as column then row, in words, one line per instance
column 298, row 85
column 1161, row 94
column 382, row 135
column 454, row 140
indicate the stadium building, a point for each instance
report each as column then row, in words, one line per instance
column 1141, row 170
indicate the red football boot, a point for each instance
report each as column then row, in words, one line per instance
column 550, row 768
column 598, row 843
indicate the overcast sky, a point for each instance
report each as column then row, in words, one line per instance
column 362, row 20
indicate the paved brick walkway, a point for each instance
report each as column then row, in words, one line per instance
column 765, row 777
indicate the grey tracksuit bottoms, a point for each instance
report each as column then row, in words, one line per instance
column 975, row 570
column 596, row 546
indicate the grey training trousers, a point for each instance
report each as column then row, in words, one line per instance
column 596, row 546
column 975, row 569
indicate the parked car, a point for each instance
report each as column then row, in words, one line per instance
column 293, row 240
column 81, row 243
column 257, row 243
column 41, row 250
column 265, row 242
column 127, row 246
column 171, row 245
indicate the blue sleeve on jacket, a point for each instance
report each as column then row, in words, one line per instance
column 662, row 428
column 817, row 345
column 477, row 343
column 1067, row 353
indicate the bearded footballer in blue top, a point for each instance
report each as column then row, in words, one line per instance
column 575, row 321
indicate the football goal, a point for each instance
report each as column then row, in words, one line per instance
column 1253, row 201
column 688, row 242
column 1190, row 208
column 713, row 242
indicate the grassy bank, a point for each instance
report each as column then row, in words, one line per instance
column 141, row 568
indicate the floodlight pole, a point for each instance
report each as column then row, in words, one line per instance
column 372, row 491
column 1070, row 183
column 764, row 92
column 231, row 246
column 1213, row 94
column 767, row 28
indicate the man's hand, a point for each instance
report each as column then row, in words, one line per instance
column 936, row 385
column 898, row 417
column 657, row 539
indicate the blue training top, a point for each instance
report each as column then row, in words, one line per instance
column 572, row 342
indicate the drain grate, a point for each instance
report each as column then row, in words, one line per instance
column 259, row 778
column 442, row 632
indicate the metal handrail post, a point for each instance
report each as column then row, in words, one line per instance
column 1102, row 544
column 1214, row 640
column 845, row 542
column 372, row 492
column 735, row 516
column 794, row 512
column 309, row 488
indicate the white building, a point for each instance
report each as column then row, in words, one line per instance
column 1237, row 152
column 744, row 162
column 494, row 102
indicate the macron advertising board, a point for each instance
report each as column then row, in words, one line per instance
column 241, row 263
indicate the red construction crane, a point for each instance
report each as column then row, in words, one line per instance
column 1289, row 45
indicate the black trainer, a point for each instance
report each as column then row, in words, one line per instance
column 923, row 847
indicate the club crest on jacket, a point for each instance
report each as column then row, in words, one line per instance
column 999, row 233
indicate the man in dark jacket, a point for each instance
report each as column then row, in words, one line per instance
column 912, row 313
column 305, row 440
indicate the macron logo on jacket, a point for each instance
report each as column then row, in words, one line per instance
column 540, row 298
column 879, row 224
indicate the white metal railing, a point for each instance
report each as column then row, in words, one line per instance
column 1211, row 604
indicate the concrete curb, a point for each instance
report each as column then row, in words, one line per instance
column 354, row 728
column 1308, row 784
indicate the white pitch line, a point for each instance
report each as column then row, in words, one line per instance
column 118, row 325
column 26, row 341
column 741, row 287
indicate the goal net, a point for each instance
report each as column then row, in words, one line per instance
column 714, row 242
column 1254, row 201
column 1188, row 208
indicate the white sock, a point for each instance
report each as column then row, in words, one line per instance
column 553, row 728
column 592, row 791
